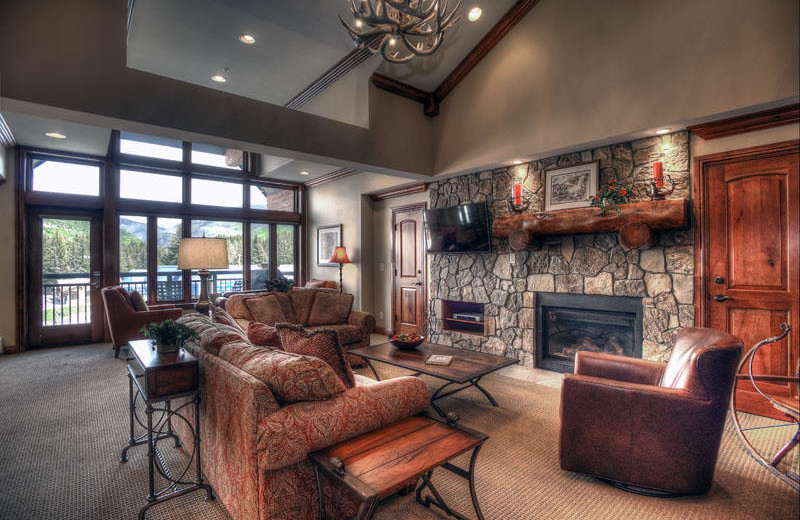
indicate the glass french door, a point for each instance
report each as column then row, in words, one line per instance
column 64, row 262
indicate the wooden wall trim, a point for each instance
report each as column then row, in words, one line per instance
column 747, row 123
column 700, row 205
column 431, row 100
column 391, row 193
column 333, row 176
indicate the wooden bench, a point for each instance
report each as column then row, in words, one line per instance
column 382, row 462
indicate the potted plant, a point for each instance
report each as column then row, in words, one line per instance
column 279, row 284
column 611, row 194
column 169, row 336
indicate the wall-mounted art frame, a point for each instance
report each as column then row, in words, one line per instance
column 328, row 237
column 570, row 187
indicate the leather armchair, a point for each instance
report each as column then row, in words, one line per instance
column 124, row 322
column 652, row 428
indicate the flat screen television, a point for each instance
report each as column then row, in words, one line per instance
column 458, row 229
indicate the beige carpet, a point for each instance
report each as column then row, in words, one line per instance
column 63, row 422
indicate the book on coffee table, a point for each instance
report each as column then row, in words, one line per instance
column 438, row 359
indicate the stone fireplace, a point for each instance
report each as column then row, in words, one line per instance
column 568, row 323
column 508, row 284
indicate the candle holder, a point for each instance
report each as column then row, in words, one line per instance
column 660, row 193
column 518, row 208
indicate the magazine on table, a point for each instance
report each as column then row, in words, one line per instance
column 438, row 359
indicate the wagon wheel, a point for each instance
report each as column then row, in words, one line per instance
column 769, row 441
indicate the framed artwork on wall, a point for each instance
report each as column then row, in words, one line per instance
column 328, row 237
column 570, row 187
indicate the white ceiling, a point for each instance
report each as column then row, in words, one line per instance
column 296, row 41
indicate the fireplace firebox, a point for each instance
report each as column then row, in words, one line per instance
column 568, row 323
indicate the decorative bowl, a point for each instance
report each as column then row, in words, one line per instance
column 406, row 345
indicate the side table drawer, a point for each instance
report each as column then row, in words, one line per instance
column 171, row 380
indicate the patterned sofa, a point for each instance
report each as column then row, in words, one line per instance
column 264, row 410
column 312, row 308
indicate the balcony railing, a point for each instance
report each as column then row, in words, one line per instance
column 65, row 299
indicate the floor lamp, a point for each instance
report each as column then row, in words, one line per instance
column 340, row 257
column 203, row 254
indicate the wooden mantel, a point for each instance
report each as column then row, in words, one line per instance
column 636, row 223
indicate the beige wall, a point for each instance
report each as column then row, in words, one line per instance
column 574, row 72
column 382, row 242
column 8, row 292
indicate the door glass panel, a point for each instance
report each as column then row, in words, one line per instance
column 133, row 253
column 259, row 255
column 66, row 272
column 65, row 177
column 286, row 251
column 170, row 278
column 221, row 280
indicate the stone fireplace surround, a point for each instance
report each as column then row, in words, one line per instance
column 507, row 282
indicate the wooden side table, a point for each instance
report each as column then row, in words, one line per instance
column 158, row 379
column 382, row 462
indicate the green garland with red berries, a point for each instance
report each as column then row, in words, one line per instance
column 611, row 194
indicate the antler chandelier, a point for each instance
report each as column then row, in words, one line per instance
column 400, row 29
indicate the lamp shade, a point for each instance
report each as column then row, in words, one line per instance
column 203, row 253
column 339, row 256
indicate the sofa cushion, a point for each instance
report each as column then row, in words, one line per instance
column 139, row 305
column 266, row 309
column 237, row 309
column 347, row 333
column 213, row 339
column 321, row 343
column 290, row 377
column 219, row 315
column 302, row 300
column 198, row 322
column 263, row 335
column 320, row 284
column 286, row 306
column 330, row 308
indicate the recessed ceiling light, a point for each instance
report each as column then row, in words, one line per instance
column 474, row 14
column 662, row 131
column 517, row 161
column 55, row 135
column 303, row 173
column 219, row 78
column 248, row 39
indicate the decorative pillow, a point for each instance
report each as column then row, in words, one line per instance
column 139, row 305
column 320, row 284
column 237, row 309
column 213, row 339
column 321, row 343
column 330, row 308
column 263, row 335
column 290, row 377
column 286, row 306
column 302, row 300
column 219, row 315
column 266, row 309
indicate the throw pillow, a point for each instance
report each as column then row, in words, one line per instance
column 266, row 309
column 321, row 343
column 320, row 284
column 219, row 315
column 139, row 305
column 286, row 306
column 213, row 339
column 302, row 300
column 330, row 308
column 263, row 335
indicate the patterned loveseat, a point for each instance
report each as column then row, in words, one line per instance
column 264, row 410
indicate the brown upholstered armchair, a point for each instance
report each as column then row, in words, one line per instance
column 125, row 322
column 652, row 428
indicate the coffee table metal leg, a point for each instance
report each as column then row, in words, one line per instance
column 474, row 382
column 472, row 494
column 437, row 499
column 374, row 372
column 485, row 392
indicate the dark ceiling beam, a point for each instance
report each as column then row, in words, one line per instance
column 431, row 100
column 748, row 122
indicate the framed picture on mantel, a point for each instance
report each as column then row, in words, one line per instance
column 328, row 237
column 570, row 187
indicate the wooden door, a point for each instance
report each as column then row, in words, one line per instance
column 64, row 266
column 408, row 286
column 751, row 270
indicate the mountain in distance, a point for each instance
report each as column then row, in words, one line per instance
column 210, row 228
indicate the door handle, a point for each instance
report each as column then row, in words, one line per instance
column 96, row 279
column 418, row 284
column 721, row 297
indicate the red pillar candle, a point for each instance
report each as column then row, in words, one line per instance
column 658, row 174
column 517, row 195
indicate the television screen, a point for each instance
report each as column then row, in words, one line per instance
column 458, row 229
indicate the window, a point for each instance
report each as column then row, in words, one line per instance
column 287, row 256
column 273, row 199
column 259, row 255
column 217, row 156
column 217, row 193
column 140, row 185
column 133, row 253
column 169, row 278
column 150, row 146
column 221, row 280
column 65, row 177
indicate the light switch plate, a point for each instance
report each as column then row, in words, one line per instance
column 381, row 266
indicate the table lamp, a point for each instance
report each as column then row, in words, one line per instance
column 203, row 254
column 340, row 257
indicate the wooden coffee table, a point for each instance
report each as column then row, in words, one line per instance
column 466, row 369
column 379, row 463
